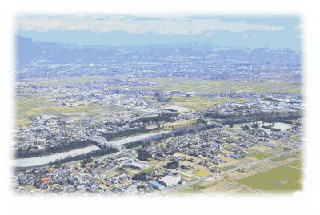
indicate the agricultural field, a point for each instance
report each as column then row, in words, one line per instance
column 207, row 86
column 199, row 103
column 33, row 106
column 281, row 179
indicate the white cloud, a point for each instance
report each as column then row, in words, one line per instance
column 136, row 25
column 247, row 36
column 297, row 28
column 210, row 34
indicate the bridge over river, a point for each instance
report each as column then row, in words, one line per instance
column 38, row 161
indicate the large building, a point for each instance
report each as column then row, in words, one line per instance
column 170, row 180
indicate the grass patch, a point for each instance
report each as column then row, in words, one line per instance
column 295, row 138
column 150, row 169
column 244, row 191
column 220, row 168
column 296, row 163
column 202, row 174
column 280, row 179
column 261, row 155
column 197, row 187
column 285, row 157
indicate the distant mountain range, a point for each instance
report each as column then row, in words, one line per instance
column 28, row 51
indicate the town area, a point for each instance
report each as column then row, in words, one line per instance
column 163, row 127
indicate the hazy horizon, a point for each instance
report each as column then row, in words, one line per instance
column 251, row 32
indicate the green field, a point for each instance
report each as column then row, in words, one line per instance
column 280, row 179
column 197, row 187
column 34, row 106
column 296, row 163
column 263, row 153
column 37, row 104
column 197, row 102
column 283, row 158
column 202, row 174
column 260, row 156
column 186, row 84
column 68, row 81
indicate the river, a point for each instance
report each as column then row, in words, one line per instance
column 37, row 161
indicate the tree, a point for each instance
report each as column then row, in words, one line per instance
column 172, row 165
column 140, row 177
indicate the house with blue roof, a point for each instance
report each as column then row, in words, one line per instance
column 235, row 156
column 156, row 185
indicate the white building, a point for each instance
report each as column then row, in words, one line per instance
column 170, row 180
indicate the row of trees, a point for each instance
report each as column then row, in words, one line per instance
column 284, row 117
column 126, row 133
column 86, row 156
column 172, row 165
column 143, row 155
column 173, row 133
column 61, row 147
column 162, row 117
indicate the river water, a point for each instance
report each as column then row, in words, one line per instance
column 35, row 161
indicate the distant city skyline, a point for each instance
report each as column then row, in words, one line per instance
column 275, row 32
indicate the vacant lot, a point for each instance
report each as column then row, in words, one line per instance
column 207, row 188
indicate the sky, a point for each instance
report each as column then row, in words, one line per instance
column 275, row 32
